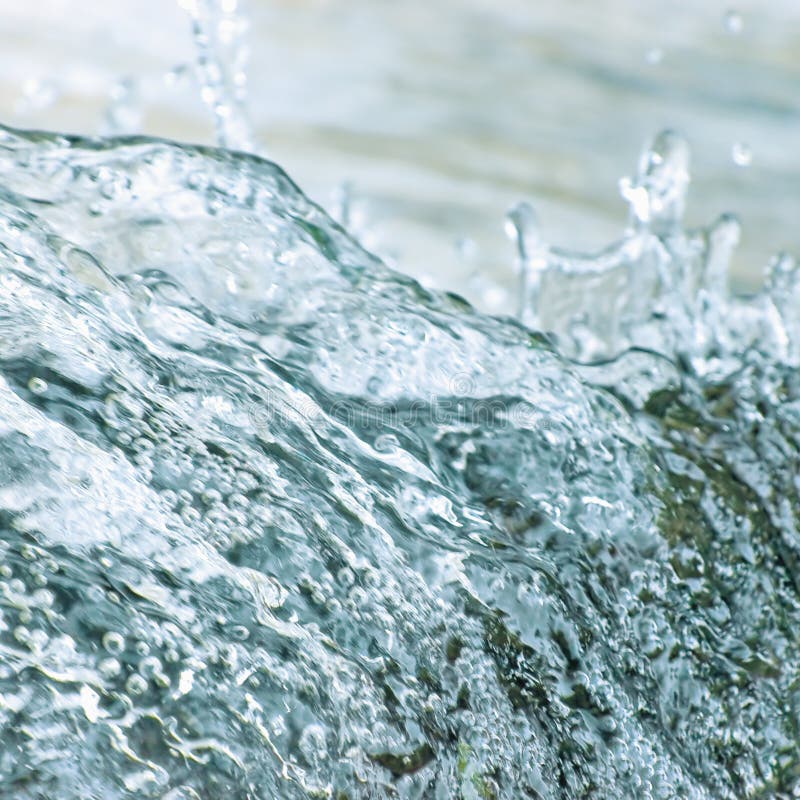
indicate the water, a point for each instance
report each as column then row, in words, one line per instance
column 279, row 522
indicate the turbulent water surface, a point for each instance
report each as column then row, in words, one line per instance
column 279, row 523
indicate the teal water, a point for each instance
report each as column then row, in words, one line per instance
column 277, row 522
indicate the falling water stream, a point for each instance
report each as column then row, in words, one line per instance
column 278, row 522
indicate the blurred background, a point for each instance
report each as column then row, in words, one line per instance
column 443, row 113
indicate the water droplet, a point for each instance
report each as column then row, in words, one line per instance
column 733, row 22
column 177, row 76
column 124, row 113
column 37, row 385
column 37, row 94
column 741, row 154
column 657, row 195
column 466, row 248
column 654, row 56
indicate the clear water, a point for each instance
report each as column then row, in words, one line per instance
column 278, row 522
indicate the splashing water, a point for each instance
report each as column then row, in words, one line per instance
column 219, row 36
column 277, row 522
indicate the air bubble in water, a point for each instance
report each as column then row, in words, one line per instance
column 113, row 642
column 37, row 385
column 136, row 685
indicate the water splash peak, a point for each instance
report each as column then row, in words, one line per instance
column 522, row 227
column 657, row 195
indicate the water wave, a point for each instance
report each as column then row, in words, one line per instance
column 278, row 522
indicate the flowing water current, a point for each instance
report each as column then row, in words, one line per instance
column 278, row 522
